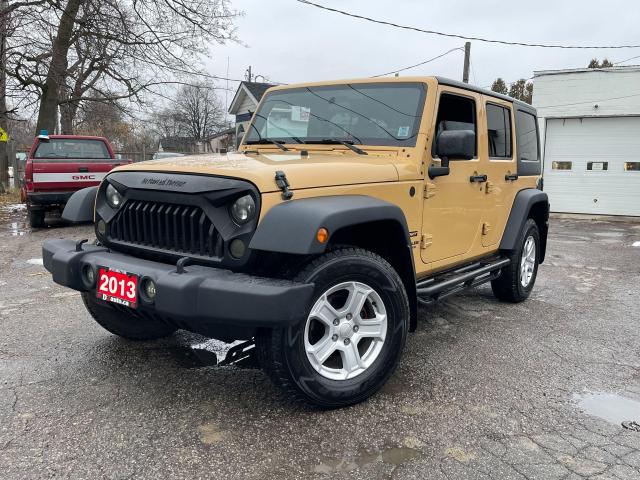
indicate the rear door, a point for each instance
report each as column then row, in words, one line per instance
column 69, row 163
column 498, row 145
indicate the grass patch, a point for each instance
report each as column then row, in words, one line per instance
column 12, row 195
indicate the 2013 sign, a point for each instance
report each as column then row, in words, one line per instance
column 117, row 287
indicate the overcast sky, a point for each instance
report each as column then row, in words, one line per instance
column 288, row 42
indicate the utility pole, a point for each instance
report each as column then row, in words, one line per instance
column 467, row 55
column 249, row 76
column 4, row 159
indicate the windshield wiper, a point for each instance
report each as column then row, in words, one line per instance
column 268, row 141
column 335, row 141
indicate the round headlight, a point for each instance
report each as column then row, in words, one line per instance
column 114, row 198
column 243, row 209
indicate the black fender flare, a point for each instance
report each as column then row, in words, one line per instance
column 291, row 228
column 528, row 203
column 80, row 206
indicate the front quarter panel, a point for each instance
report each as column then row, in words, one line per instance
column 291, row 227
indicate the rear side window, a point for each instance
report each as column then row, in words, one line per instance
column 456, row 113
column 71, row 149
column 499, row 131
column 527, row 137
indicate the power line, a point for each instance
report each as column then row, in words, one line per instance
column 453, row 35
column 418, row 64
column 623, row 61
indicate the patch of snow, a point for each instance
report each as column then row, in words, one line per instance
column 215, row 346
column 635, row 244
column 35, row 261
column 14, row 207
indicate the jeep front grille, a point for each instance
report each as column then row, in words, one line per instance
column 181, row 229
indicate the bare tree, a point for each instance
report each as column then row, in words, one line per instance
column 166, row 123
column 199, row 111
column 64, row 53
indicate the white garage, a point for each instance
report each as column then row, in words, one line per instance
column 590, row 120
column 592, row 165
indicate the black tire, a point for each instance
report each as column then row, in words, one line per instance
column 508, row 286
column 36, row 219
column 282, row 353
column 129, row 325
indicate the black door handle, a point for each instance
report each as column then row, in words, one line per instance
column 83, row 169
column 478, row 178
column 513, row 176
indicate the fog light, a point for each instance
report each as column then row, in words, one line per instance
column 149, row 289
column 102, row 228
column 237, row 248
column 89, row 275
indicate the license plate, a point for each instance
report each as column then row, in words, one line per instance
column 117, row 287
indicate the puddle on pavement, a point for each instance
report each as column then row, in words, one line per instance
column 18, row 229
column 394, row 456
column 12, row 219
column 610, row 407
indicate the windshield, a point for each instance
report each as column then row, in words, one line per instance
column 368, row 114
column 62, row 148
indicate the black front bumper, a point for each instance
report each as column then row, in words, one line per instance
column 206, row 300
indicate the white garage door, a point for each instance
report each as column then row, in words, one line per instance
column 592, row 165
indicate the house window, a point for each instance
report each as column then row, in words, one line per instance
column 597, row 166
column 456, row 113
column 632, row 166
column 499, row 134
column 561, row 165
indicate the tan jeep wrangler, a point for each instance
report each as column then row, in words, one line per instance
column 349, row 204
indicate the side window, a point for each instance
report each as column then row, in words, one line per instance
column 456, row 113
column 499, row 131
column 527, row 137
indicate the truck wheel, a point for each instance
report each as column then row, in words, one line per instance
column 131, row 326
column 353, row 337
column 36, row 218
column 516, row 280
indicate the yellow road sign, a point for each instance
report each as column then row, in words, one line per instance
column 3, row 136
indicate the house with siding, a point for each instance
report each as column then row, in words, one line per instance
column 244, row 104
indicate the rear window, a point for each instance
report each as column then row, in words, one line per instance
column 71, row 149
column 527, row 137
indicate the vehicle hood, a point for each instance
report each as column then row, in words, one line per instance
column 314, row 170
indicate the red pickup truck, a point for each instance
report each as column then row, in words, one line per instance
column 59, row 165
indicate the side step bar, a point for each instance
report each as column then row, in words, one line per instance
column 434, row 289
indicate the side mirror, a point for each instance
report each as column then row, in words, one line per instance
column 456, row 144
column 452, row 144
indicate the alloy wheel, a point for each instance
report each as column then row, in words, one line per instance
column 528, row 261
column 345, row 331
